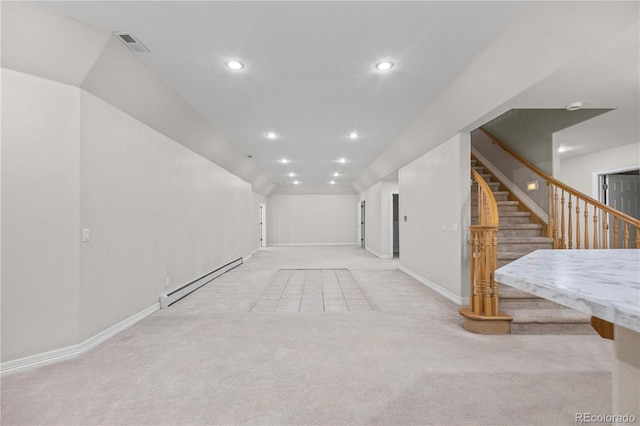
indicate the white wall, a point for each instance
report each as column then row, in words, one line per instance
column 386, row 217
column 577, row 172
column 40, row 214
column 72, row 161
column 312, row 219
column 372, row 199
column 513, row 169
column 435, row 192
column 378, row 218
column 155, row 210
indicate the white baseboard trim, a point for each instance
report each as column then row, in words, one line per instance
column 245, row 258
column 70, row 352
column 313, row 244
column 462, row 301
column 381, row 256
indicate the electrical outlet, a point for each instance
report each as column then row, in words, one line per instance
column 167, row 282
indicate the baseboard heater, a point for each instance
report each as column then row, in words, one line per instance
column 168, row 299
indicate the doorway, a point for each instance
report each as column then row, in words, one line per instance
column 362, row 224
column 621, row 191
column 263, row 225
column 395, row 224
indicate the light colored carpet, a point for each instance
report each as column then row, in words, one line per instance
column 209, row 360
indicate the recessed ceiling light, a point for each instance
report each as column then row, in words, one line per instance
column 333, row 182
column 562, row 149
column 342, row 160
column 295, row 182
column 336, row 174
column 284, row 161
column 292, row 174
column 272, row 135
column 353, row 135
column 235, row 65
column 384, row 66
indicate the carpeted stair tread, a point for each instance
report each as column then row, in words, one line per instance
column 517, row 236
column 508, row 255
column 507, row 292
column 525, row 240
column 515, row 214
column 545, row 316
column 509, row 226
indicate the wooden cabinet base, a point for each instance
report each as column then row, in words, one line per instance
column 602, row 327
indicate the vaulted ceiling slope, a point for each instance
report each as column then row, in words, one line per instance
column 309, row 75
column 309, row 72
column 43, row 43
column 534, row 64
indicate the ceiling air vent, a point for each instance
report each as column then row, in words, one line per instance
column 132, row 42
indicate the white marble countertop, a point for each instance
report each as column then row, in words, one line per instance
column 603, row 283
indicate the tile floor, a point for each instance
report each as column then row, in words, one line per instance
column 312, row 290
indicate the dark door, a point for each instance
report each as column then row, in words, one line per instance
column 622, row 192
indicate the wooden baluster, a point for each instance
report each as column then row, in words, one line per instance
column 479, row 207
column 550, row 208
column 605, row 231
column 638, row 237
column 595, row 227
column 563, row 244
column 570, row 237
column 586, row 225
column 626, row 235
column 480, row 267
column 556, row 243
column 487, row 210
column 486, row 275
column 577, row 223
column 475, row 305
column 494, row 263
column 615, row 232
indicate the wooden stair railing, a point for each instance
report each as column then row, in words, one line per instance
column 483, row 315
column 484, row 251
column 571, row 214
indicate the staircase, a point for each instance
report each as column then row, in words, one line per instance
column 518, row 234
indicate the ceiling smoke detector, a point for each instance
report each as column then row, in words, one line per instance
column 132, row 43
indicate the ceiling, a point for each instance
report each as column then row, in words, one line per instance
column 309, row 73
column 605, row 77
